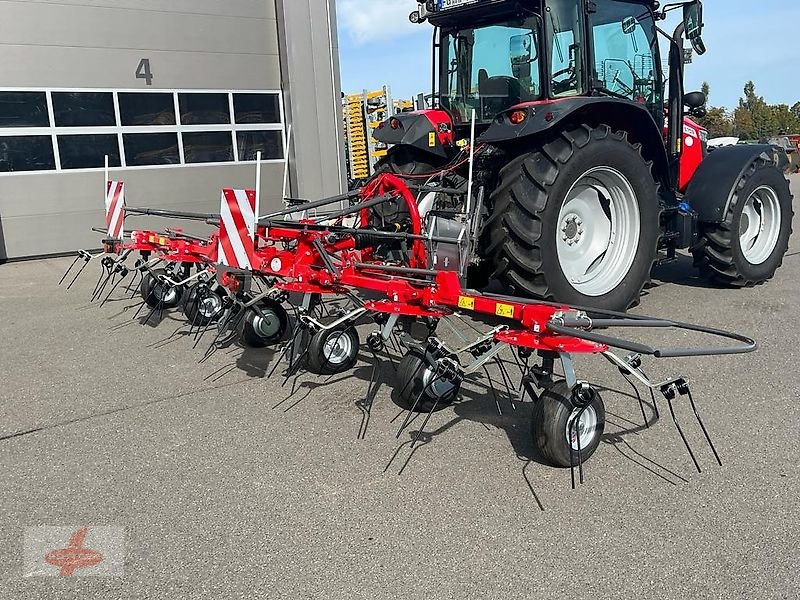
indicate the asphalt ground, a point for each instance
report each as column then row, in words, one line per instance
column 229, row 485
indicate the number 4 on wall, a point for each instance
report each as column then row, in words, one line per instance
column 143, row 71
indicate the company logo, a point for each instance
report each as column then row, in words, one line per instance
column 74, row 552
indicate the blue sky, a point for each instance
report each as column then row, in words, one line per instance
column 746, row 39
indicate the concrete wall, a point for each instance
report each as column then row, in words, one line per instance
column 191, row 44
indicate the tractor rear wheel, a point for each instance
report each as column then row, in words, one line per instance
column 576, row 221
column 749, row 245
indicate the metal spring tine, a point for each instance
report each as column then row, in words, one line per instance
column 427, row 417
column 63, row 277
column 194, row 318
column 700, row 422
column 199, row 335
column 232, row 327
column 114, row 287
column 413, row 408
column 159, row 306
column 680, row 431
column 97, row 285
column 111, row 277
column 372, row 391
column 506, row 382
column 141, row 306
column 652, row 394
column 494, row 393
column 578, row 439
column 638, row 397
column 78, row 274
column 131, row 286
column 296, row 363
column 282, row 355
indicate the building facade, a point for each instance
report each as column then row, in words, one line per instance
column 180, row 95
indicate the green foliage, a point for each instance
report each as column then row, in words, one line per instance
column 752, row 119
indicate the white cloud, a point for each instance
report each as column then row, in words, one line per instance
column 376, row 20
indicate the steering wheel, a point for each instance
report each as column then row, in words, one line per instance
column 559, row 87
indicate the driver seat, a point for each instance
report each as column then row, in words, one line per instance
column 498, row 93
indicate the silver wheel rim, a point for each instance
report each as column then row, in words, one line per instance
column 587, row 428
column 267, row 326
column 760, row 225
column 598, row 231
column 337, row 348
column 436, row 386
column 166, row 294
column 210, row 305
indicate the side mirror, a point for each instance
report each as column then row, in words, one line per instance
column 522, row 49
column 693, row 20
column 694, row 100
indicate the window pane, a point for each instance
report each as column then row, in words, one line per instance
column 269, row 143
column 204, row 109
column 88, row 151
column 203, row 147
column 23, row 109
column 151, row 149
column 137, row 108
column 256, row 108
column 84, row 109
column 27, row 153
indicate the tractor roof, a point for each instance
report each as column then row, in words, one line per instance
column 458, row 13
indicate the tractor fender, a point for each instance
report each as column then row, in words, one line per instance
column 427, row 130
column 714, row 184
column 557, row 115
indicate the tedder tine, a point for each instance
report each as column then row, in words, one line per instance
column 123, row 275
column 684, row 390
column 64, row 276
column 78, row 274
column 669, row 394
column 494, row 393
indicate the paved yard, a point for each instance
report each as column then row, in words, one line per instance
column 229, row 485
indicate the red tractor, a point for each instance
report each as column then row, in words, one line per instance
column 574, row 187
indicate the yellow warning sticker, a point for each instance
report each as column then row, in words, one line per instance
column 504, row 310
column 467, row 303
column 432, row 139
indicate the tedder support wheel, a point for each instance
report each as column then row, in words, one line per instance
column 333, row 351
column 749, row 245
column 418, row 388
column 202, row 306
column 576, row 221
column 553, row 429
column 265, row 326
column 155, row 293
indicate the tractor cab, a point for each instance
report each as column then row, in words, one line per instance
column 584, row 169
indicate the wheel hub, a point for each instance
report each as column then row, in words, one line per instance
column 210, row 305
column 337, row 348
column 584, row 429
column 267, row 325
column 760, row 225
column 572, row 229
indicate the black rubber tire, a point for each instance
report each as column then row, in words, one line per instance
column 411, row 383
column 251, row 335
column 192, row 312
column 151, row 291
column 320, row 364
column 407, row 160
column 525, row 207
column 549, row 418
column 718, row 252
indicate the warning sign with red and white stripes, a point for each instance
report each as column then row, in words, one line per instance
column 115, row 209
column 237, row 229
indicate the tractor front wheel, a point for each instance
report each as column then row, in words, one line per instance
column 749, row 245
column 576, row 221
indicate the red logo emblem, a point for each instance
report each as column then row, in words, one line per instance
column 74, row 556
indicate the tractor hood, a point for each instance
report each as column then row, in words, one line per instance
column 427, row 130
